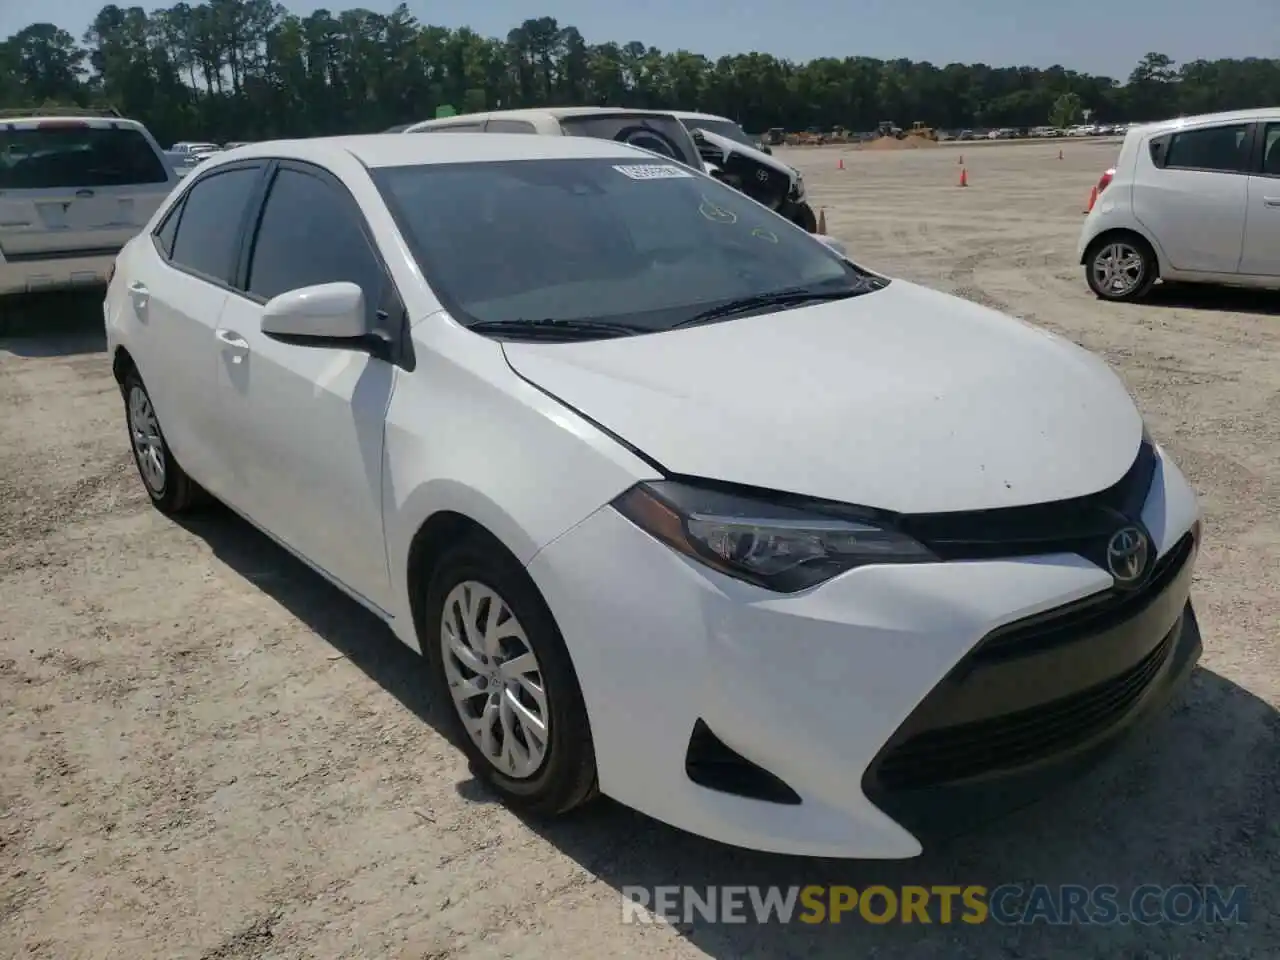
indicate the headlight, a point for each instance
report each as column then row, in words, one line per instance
column 798, row 188
column 774, row 546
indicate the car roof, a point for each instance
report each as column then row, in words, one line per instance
column 686, row 115
column 559, row 113
column 395, row 150
column 1203, row 119
column 102, row 123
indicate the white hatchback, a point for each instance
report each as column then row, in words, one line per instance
column 1195, row 199
column 680, row 505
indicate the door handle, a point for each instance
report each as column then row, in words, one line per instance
column 1271, row 201
column 140, row 295
column 232, row 341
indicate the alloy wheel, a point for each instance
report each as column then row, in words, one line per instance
column 1118, row 269
column 494, row 679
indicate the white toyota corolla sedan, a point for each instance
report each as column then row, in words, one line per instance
column 681, row 505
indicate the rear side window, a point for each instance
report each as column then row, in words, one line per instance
column 662, row 135
column 311, row 233
column 169, row 230
column 456, row 128
column 208, row 239
column 1211, row 148
column 75, row 156
column 509, row 126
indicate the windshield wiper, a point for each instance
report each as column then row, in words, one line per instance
column 550, row 328
column 779, row 298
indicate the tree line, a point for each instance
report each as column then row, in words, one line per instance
column 249, row 70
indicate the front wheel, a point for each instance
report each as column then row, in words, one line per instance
column 1120, row 267
column 497, row 659
column 802, row 215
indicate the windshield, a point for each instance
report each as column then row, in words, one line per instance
column 56, row 157
column 634, row 241
column 724, row 128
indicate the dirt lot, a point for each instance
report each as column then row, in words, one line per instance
column 209, row 753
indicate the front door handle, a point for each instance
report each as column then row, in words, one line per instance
column 233, row 342
column 140, row 295
column 1271, row 201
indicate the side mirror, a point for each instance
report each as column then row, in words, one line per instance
column 323, row 315
column 832, row 243
column 713, row 170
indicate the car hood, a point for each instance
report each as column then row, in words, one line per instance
column 904, row 399
column 727, row 146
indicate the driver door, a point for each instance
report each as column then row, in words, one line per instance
column 308, row 421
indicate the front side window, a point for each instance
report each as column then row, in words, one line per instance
column 1271, row 150
column 72, row 155
column 310, row 233
column 1212, row 148
column 625, row 240
column 208, row 238
column 509, row 126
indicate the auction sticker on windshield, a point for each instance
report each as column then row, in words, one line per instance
column 652, row 171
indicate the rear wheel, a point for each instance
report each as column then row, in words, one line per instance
column 168, row 485
column 1120, row 267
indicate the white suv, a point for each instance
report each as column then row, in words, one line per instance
column 73, row 190
column 1195, row 199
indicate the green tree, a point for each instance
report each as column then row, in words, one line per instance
column 1066, row 111
column 250, row 69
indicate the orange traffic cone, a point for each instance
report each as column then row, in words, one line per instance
column 1093, row 198
column 960, row 160
column 1059, row 154
column 964, row 177
column 822, row 221
column 840, row 164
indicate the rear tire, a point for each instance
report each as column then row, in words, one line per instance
column 802, row 216
column 171, row 490
column 1120, row 267
column 546, row 777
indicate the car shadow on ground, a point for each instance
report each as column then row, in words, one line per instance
column 1192, row 799
column 1198, row 296
column 53, row 324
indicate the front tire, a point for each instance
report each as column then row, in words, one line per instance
column 498, row 662
column 1120, row 267
column 171, row 490
column 802, row 215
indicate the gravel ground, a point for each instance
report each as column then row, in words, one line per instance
column 209, row 753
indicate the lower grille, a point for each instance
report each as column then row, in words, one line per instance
column 1020, row 739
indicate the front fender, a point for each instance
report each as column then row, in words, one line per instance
column 466, row 434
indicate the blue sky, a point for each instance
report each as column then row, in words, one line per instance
column 1096, row 36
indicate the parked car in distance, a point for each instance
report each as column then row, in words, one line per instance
column 719, row 139
column 186, row 156
column 764, row 179
column 74, row 187
column 1194, row 200
column 505, row 391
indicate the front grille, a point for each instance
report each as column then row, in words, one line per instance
column 1018, row 739
column 1092, row 615
column 1078, row 525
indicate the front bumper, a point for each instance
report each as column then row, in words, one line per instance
column 829, row 692
column 36, row 274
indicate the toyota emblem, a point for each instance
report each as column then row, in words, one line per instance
column 1127, row 553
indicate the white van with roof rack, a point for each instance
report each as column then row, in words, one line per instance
column 75, row 186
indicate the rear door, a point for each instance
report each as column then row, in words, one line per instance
column 1190, row 190
column 76, row 187
column 178, row 288
column 1262, row 222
